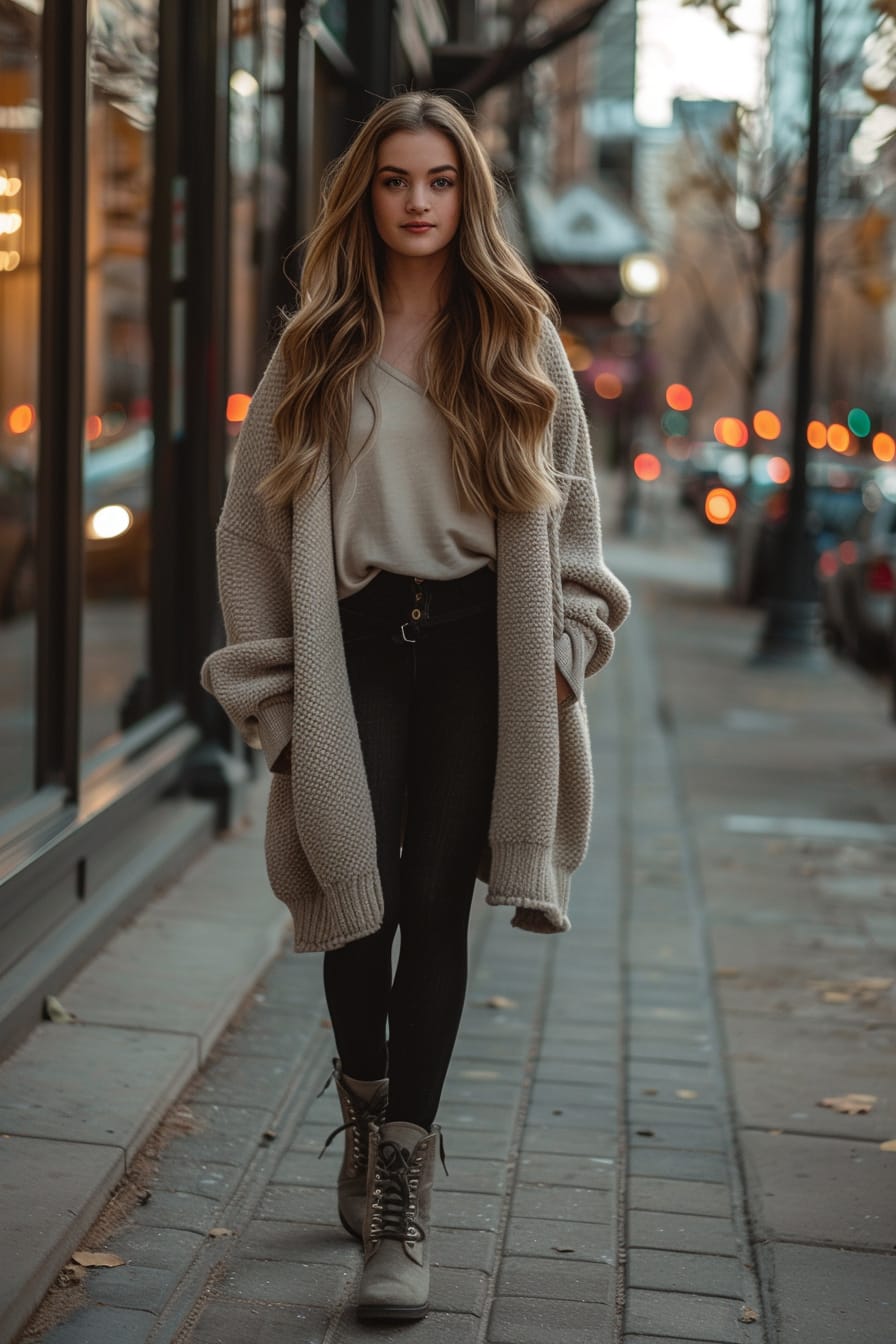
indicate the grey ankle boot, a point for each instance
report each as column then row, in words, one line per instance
column 363, row 1104
column 395, row 1279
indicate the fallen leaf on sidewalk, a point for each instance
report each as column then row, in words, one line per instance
column 564, row 1250
column 852, row 1103
column 268, row 1135
column 686, row 1093
column 499, row 1001
column 835, row 996
column 648, row 1091
column 889, row 1146
column 865, row 990
column 727, row 973
column 56, row 1012
column 106, row 1258
column 748, row 1315
column 220, row 1232
column 71, row 1274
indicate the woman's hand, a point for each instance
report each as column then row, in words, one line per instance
column 564, row 690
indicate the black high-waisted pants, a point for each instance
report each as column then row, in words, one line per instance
column 423, row 669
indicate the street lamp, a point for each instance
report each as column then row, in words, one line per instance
column 643, row 276
column 790, row 633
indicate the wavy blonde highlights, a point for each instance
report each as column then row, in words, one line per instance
column 479, row 364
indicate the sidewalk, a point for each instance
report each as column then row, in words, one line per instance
column 633, row 1137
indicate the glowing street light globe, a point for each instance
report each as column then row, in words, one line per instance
column 643, row 274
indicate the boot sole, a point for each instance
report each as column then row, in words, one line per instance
column 384, row 1313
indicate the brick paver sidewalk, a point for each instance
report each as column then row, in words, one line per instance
column 596, row 1190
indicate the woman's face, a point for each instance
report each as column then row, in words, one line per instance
column 416, row 192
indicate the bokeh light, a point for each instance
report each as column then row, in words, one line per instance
column 93, row 428
column 817, row 434
column 848, row 552
column 674, row 422
column 237, row 406
column 731, row 431
column 838, row 438
column 608, row 386
column 828, row 564
column 859, row 422
column 21, row 418
column 647, row 467
column 679, row 397
column 883, row 446
column 766, row 425
column 720, row 506
column 778, row 470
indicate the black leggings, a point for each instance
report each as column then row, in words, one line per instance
column 427, row 715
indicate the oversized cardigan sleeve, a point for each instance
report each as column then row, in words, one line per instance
column 252, row 675
column 594, row 602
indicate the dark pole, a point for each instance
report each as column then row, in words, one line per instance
column 791, row 626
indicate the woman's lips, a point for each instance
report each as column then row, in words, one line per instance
column 417, row 228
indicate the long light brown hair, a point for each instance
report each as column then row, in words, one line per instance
column 479, row 365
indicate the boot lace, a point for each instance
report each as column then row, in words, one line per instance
column 394, row 1202
column 362, row 1114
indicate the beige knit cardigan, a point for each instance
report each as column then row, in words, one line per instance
column 282, row 677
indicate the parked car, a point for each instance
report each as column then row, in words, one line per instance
column 707, row 466
column 117, row 493
column 834, row 506
column 858, row 584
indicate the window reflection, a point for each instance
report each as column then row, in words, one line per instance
column 20, row 105
column 118, row 438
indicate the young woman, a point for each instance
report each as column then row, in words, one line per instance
column 413, row 589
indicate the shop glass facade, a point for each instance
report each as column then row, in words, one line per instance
column 118, row 430
column 20, row 234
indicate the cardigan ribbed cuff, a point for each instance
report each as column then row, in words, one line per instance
column 274, row 727
column 345, row 912
column 523, row 875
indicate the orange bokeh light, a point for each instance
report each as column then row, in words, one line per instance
column 647, row 467
column 883, row 446
column 93, row 428
column 767, row 425
column 778, row 470
column 720, row 506
column 817, row 434
column 731, row 431
column 838, row 438
column 237, row 406
column 608, row 386
column 679, row 397
column 20, row 418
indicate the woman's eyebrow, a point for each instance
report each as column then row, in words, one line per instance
column 442, row 168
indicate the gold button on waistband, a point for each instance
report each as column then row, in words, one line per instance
column 415, row 614
column 419, row 597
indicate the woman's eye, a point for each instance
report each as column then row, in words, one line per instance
column 390, row 181
column 445, row 181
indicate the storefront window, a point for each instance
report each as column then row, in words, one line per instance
column 118, row 435
column 20, row 119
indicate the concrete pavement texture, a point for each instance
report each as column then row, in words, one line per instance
column 644, row 1133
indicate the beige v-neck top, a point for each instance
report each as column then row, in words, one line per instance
column 394, row 500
